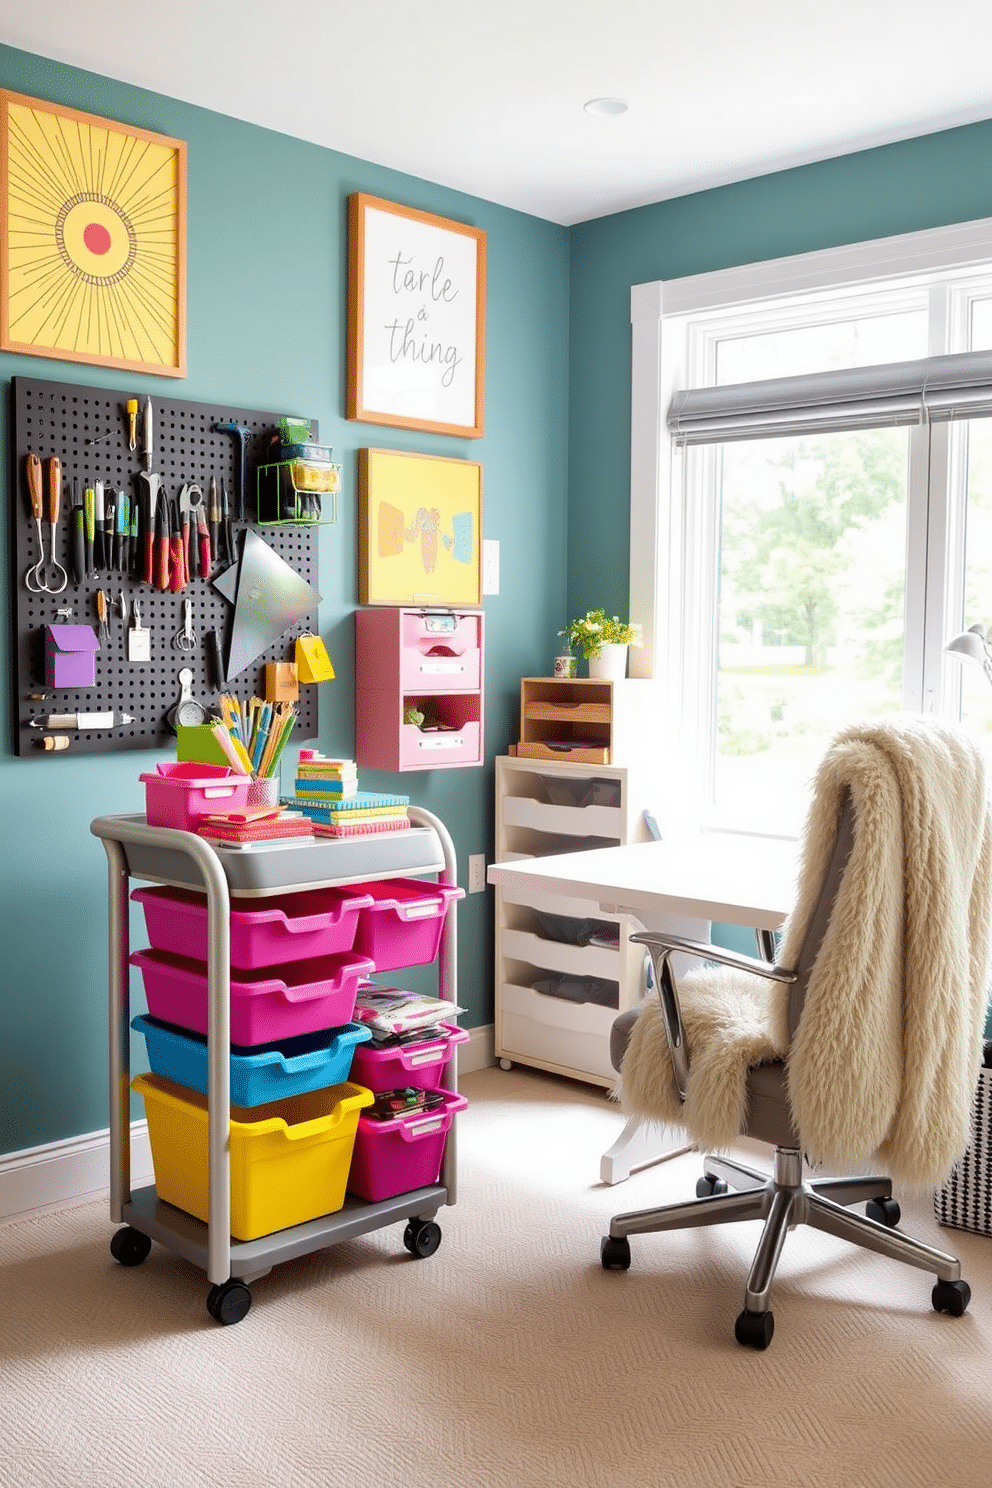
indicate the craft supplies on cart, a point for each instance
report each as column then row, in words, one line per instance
column 199, row 1137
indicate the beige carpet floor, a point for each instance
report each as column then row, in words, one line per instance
column 509, row 1358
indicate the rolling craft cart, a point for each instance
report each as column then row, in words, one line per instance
column 183, row 860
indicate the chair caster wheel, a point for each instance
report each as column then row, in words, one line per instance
column 754, row 1329
column 422, row 1237
column 951, row 1296
column 506, row 1064
column 229, row 1302
column 884, row 1211
column 129, row 1247
column 614, row 1252
column 707, row 1186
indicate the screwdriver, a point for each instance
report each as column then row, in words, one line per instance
column 101, row 612
column 78, row 535
column 99, row 517
column 213, row 514
column 89, row 504
column 132, row 422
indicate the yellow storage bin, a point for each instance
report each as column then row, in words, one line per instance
column 307, row 477
column 289, row 1159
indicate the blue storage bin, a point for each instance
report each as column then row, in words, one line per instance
column 261, row 1073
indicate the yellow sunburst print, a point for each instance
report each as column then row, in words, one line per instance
column 94, row 222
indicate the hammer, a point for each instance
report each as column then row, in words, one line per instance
column 243, row 437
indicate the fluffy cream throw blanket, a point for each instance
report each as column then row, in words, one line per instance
column 885, row 1057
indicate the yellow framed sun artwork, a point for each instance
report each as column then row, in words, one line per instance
column 92, row 239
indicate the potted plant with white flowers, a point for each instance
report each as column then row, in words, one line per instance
column 603, row 640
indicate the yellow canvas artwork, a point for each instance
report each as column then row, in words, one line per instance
column 93, row 227
column 419, row 524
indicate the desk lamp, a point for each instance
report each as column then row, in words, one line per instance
column 972, row 646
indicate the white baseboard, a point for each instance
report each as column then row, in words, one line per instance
column 59, row 1173
column 78, row 1168
column 480, row 1051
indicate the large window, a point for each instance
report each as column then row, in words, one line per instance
column 810, row 561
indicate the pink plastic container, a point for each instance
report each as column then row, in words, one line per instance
column 420, row 1065
column 403, row 926
column 307, row 996
column 181, row 794
column 391, row 1157
column 290, row 927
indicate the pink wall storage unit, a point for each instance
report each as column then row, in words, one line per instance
column 432, row 660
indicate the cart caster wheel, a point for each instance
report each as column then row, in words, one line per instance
column 614, row 1252
column 951, row 1296
column 506, row 1064
column 884, row 1211
column 422, row 1237
column 229, row 1303
column 754, row 1329
column 129, row 1247
column 707, row 1186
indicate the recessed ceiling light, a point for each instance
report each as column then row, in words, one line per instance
column 605, row 106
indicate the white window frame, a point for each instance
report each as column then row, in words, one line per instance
column 670, row 570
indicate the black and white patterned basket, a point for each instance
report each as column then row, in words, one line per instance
column 965, row 1200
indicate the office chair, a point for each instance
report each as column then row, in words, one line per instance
column 905, row 804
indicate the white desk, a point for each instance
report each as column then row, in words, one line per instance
column 680, row 884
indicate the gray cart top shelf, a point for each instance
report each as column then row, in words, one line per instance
column 269, row 868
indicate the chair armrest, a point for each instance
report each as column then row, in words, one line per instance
column 660, row 946
column 660, row 939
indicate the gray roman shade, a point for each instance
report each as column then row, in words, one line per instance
column 931, row 389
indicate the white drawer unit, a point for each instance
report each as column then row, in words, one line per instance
column 564, row 969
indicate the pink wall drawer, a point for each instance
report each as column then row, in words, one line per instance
column 430, row 751
column 441, row 660
column 432, row 660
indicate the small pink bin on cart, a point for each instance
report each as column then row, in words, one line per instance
column 403, row 926
column 391, row 1157
column 180, row 794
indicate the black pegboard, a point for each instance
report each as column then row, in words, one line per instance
column 52, row 418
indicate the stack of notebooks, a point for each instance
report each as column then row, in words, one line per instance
column 325, row 779
column 255, row 824
column 327, row 794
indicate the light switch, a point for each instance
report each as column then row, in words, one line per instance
column 490, row 565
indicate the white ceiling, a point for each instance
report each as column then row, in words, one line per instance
column 486, row 96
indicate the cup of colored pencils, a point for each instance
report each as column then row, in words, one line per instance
column 254, row 735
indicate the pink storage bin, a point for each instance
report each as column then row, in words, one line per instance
column 403, row 926
column 391, row 1157
column 285, row 927
column 307, row 996
column 420, row 1065
column 180, row 794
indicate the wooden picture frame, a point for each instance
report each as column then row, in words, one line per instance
column 419, row 529
column 416, row 319
column 92, row 239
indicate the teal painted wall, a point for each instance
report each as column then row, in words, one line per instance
column 920, row 183
column 266, row 329
column 266, row 323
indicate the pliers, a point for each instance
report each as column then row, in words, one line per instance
column 160, row 554
column 178, row 575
